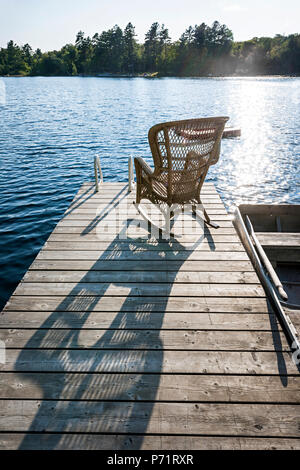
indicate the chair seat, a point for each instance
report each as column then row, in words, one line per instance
column 160, row 185
column 160, row 188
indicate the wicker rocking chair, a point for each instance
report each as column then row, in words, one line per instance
column 182, row 152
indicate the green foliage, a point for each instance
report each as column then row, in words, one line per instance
column 204, row 50
column 14, row 60
column 130, row 50
column 201, row 50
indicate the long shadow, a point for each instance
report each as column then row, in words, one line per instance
column 85, row 196
column 119, row 349
column 278, row 347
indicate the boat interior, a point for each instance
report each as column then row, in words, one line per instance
column 277, row 228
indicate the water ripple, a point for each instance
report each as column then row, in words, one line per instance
column 51, row 128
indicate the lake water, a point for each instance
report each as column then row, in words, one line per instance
column 51, row 128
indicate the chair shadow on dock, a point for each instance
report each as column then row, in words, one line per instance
column 112, row 393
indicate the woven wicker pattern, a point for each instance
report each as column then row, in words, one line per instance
column 182, row 152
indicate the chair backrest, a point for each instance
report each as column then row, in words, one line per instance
column 183, row 152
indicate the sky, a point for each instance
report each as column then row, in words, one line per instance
column 50, row 24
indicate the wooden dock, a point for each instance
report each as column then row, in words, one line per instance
column 144, row 344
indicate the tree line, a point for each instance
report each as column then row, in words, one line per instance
column 200, row 51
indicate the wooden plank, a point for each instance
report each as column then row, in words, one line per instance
column 45, row 441
column 110, row 195
column 148, row 418
column 230, row 132
column 280, row 239
column 109, row 220
column 145, row 362
column 184, row 242
column 119, row 255
column 142, row 266
column 94, row 208
column 269, row 211
column 137, row 304
column 295, row 317
column 142, row 276
column 116, row 195
column 190, row 225
column 114, row 189
column 127, row 246
column 123, row 184
column 283, row 255
column 107, row 201
column 138, row 289
column 145, row 339
column 218, row 214
column 90, row 186
column 152, row 320
column 114, row 183
column 108, row 205
column 190, row 237
column 123, row 189
column 131, row 387
column 112, row 199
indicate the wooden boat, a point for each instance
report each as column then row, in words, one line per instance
column 271, row 236
column 150, row 75
column 231, row 132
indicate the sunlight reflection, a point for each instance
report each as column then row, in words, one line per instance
column 252, row 166
column 247, row 171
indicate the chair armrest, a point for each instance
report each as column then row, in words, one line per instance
column 144, row 175
column 144, row 172
column 141, row 165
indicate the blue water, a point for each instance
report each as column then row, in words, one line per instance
column 51, row 128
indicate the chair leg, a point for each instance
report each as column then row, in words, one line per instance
column 207, row 219
column 138, row 190
column 165, row 231
column 138, row 194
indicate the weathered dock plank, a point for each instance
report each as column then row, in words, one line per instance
column 143, row 266
column 194, row 388
column 154, row 320
column 154, row 344
column 145, row 339
column 158, row 418
column 91, row 441
column 89, row 302
column 149, row 362
column 119, row 255
column 144, row 276
column 139, row 289
column 127, row 246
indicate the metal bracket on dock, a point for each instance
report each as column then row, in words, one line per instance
column 131, row 182
column 97, row 167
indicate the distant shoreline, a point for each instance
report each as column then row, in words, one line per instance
column 201, row 51
column 154, row 78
